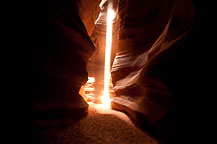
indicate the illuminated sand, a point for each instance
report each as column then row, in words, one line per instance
column 101, row 126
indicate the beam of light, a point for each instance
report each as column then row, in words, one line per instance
column 110, row 16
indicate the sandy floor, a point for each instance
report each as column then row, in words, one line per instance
column 101, row 126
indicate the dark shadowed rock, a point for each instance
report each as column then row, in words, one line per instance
column 148, row 64
column 60, row 62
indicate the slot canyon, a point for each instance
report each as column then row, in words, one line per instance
column 147, row 72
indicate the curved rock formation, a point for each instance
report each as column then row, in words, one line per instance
column 150, row 36
column 60, row 61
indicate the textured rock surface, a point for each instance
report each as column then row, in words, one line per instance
column 96, row 63
column 60, row 60
column 88, row 11
column 146, row 67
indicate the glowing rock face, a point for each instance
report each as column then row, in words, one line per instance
column 91, row 88
column 87, row 90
